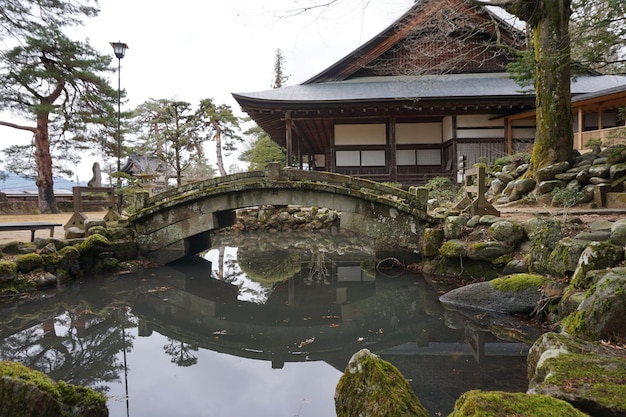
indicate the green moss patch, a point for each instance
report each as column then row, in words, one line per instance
column 33, row 393
column 507, row 404
column 377, row 389
column 584, row 379
column 518, row 282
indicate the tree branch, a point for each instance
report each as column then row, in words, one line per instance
column 16, row 126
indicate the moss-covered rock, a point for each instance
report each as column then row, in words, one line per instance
column 29, row 262
column 460, row 267
column 25, row 392
column 507, row 231
column 506, row 404
column 17, row 248
column 98, row 230
column 601, row 314
column 596, row 256
column 433, row 238
column 487, row 251
column 372, row 387
column 564, row 258
column 543, row 233
column 618, row 232
column 94, row 245
column 8, row 271
column 124, row 250
column 514, row 294
column 588, row 375
column 120, row 233
column 453, row 248
column 453, row 226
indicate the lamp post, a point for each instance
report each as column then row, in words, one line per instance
column 119, row 49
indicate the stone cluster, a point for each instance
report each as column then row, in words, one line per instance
column 592, row 173
column 48, row 262
column 571, row 275
column 284, row 218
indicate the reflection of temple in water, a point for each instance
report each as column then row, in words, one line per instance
column 303, row 319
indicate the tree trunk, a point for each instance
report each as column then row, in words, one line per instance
column 218, row 150
column 43, row 160
column 554, row 138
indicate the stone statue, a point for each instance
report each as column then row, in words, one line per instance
column 96, row 180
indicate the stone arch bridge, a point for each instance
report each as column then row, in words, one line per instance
column 178, row 222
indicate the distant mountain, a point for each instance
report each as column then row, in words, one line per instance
column 11, row 183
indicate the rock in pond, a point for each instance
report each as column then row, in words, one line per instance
column 588, row 375
column 25, row 392
column 513, row 294
column 372, row 387
column 505, row 404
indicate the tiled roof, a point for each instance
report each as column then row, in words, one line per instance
column 420, row 87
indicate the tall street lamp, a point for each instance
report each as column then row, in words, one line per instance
column 119, row 49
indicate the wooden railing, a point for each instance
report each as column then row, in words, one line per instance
column 608, row 136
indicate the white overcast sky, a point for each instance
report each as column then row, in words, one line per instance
column 193, row 49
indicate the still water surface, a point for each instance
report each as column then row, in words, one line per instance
column 261, row 326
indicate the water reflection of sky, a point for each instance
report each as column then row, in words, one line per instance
column 221, row 385
column 249, row 290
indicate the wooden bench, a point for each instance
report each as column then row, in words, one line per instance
column 32, row 226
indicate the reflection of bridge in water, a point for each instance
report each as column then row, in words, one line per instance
column 177, row 223
column 298, row 322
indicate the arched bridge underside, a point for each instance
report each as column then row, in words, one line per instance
column 178, row 223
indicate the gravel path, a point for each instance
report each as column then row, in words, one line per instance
column 24, row 235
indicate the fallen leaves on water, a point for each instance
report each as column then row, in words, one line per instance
column 306, row 342
column 159, row 289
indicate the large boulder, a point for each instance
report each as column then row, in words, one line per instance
column 372, row 387
column 512, row 294
column 588, row 375
column 601, row 314
column 505, row 404
column 25, row 392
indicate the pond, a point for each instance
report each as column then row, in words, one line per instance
column 261, row 325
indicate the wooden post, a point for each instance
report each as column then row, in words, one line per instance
column 581, row 127
column 288, row 137
column 393, row 150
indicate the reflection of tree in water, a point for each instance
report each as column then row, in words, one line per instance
column 78, row 346
column 268, row 267
column 318, row 273
column 181, row 352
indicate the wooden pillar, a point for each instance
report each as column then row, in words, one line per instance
column 601, row 125
column 581, row 126
column 393, row 163
column 508, row 132
column 289, row 137
column 332, row 161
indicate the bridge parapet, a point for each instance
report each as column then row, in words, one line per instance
column 275, row 176
column 177, row 222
